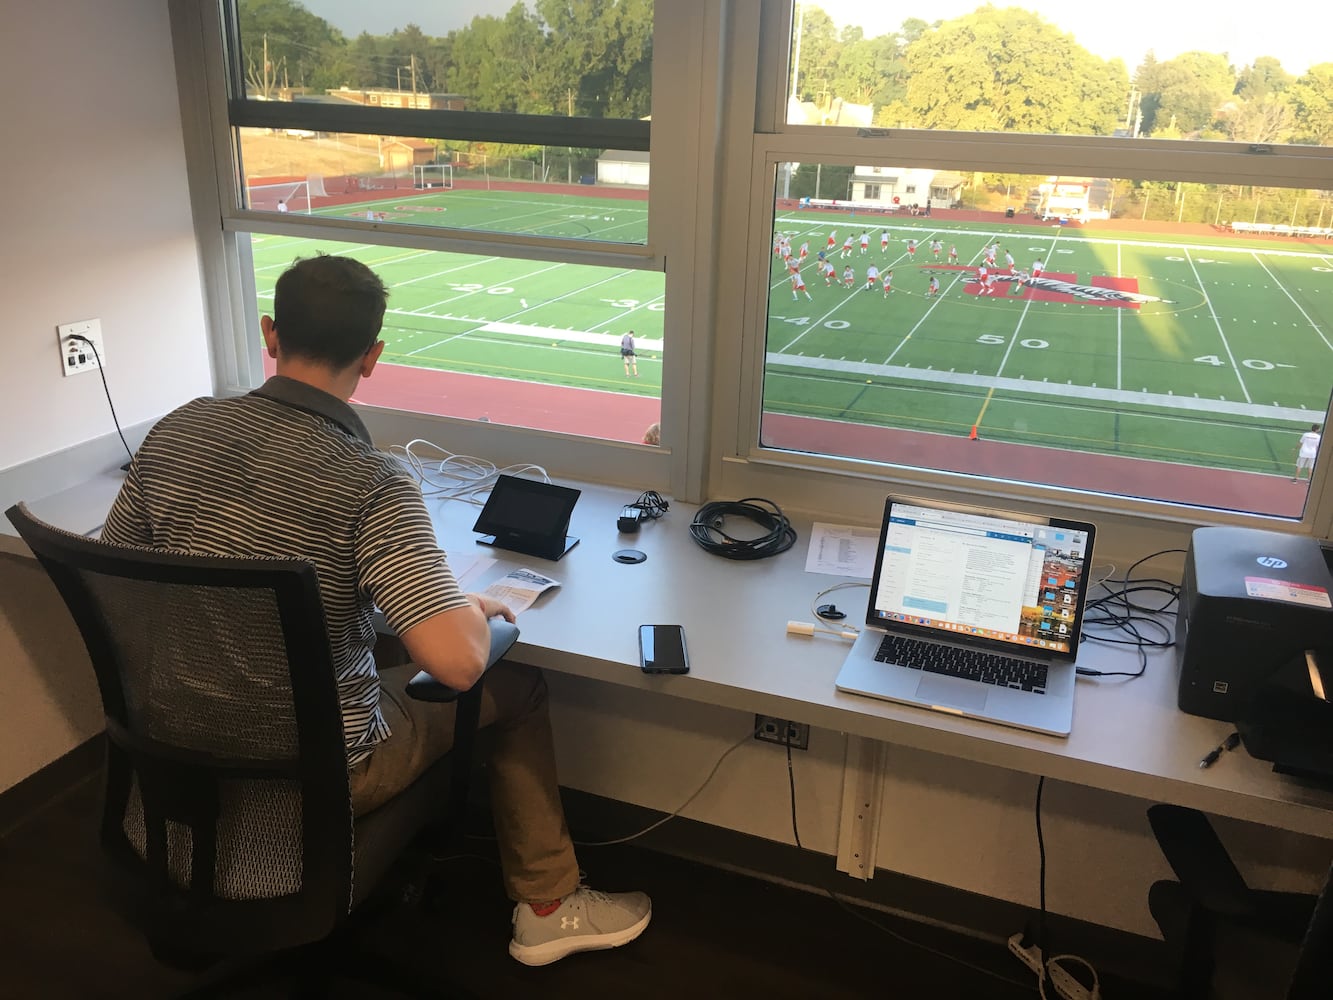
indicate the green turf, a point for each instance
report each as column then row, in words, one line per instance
column 1226, row 370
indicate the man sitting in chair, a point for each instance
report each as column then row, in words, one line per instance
column 289, row 471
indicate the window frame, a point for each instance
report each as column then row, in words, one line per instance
column 201, row 37
column 747, row 468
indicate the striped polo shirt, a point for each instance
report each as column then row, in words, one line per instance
column 289, row 471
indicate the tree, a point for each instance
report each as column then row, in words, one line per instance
column 1312, row 105
column 1184, row 93
column 1008, row 70
column 289, row 35
column 1262, row 77
column 1264, row 119
column 818, row 56
column 501, row 64
column 600, row 56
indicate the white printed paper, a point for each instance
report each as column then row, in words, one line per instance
column 842, row 550
column 520, row 588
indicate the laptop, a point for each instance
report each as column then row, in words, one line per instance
column 974, row 612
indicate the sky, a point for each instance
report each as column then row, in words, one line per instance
column 1129, row 28
column 1125, row 28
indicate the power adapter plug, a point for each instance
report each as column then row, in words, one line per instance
column 630, row 519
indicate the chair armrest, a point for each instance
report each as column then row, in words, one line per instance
column 424, row 687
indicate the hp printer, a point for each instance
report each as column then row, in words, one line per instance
column 1254, row 642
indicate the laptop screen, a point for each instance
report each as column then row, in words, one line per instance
column 998, row 579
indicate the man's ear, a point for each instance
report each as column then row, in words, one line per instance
column 372, row 355
column 270, row 335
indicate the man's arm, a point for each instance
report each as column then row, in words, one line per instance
column 453, row 646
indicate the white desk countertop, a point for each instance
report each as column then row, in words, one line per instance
column 1128, row 736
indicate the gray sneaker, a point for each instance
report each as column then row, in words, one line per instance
column 587, row 920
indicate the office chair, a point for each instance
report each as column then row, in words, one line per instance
column 1211, row 898
column 227, row 793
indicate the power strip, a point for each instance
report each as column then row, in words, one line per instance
column 1066, row 985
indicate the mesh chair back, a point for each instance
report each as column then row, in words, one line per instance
column 227, row 774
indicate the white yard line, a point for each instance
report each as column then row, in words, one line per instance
column 1220, row 332
column 1119, row 328
column 1313, row 325
column 1062, row 390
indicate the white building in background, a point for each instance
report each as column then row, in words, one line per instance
column 623, row 166
column 902, row 188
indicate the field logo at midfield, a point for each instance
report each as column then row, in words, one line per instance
column 1102, row 290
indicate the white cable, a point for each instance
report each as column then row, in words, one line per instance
column 679, row 809
column 1065, row 984
column 814, row 604
column 455, row 477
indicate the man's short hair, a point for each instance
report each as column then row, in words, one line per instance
column 329, row 309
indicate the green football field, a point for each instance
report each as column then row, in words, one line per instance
column 1220, row 353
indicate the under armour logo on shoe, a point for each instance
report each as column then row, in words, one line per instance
column 569, row 923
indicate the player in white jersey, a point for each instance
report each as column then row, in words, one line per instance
column 865, row 241
column 953, row 254
column 983, row 275
column 847, row 246
column 884, row 241
column 911, row 249
column 798, row 285
column 1038, row 266
column 1009, row 261
column 888, row 283
column 935, row 247
column 830, row 272
column 933, row 288
column 872, row 278
column 849, row 277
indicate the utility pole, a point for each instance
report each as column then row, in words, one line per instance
column 796, row 52
column 414, row 75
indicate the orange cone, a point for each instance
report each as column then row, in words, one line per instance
column 973, row 435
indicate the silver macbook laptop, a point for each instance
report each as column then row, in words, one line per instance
column 974, row 612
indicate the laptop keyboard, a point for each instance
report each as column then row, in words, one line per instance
column 972, row 664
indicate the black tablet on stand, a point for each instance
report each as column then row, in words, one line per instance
column 524, row 515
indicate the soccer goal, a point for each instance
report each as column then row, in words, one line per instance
column 293, row 196
column 432, row 175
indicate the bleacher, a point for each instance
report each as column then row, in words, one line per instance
column 1280, row 229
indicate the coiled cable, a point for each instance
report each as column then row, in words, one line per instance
column 709, row 529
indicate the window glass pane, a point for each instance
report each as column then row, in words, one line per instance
column 1168, row 341
column 1055, row 68
column 543, row 57
column 538, row 191
column 526, row 343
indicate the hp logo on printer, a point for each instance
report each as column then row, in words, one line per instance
column 1271, row 562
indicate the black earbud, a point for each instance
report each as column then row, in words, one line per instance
column 830, row 612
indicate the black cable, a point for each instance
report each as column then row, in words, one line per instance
column 1119, row 611
column 652, row 503
column 843, row 905
column 106, row 389
column 707, row 529
column 1043, row 950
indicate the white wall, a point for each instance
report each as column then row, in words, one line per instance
column 96, row 223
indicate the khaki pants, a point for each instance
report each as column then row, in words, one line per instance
column 536, row 853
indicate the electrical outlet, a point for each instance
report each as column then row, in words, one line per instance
column 75, row 355
column 781, row 731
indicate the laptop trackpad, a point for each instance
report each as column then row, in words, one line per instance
column 952, row 691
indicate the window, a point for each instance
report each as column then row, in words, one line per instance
column 471, row 192
column 1078, row 308
column 473, row 160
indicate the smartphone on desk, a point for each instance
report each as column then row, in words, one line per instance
column 662, row 650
